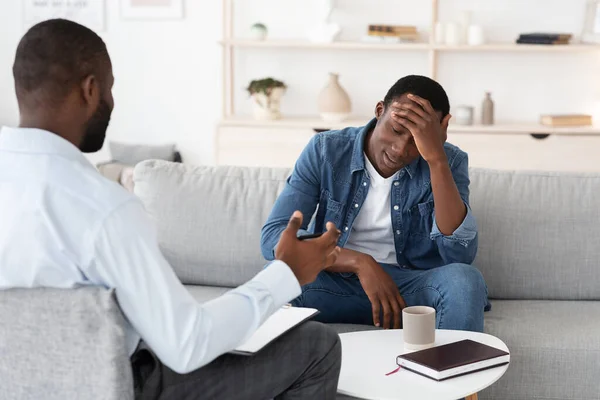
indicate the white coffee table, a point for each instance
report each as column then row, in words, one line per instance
column 368, row 356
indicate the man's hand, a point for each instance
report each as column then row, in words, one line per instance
column 307, row 258
column 382, row 292
column 422, row 121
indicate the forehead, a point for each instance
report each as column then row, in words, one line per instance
column 405, row 100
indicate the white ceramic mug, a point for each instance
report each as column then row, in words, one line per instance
column 418, row 327
column 476, row 36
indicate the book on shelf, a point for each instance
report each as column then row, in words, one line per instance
column 544, row 38
column 452, row 360
column 391, row 30
column 390, row 39
column 566, row 120
column 550, row 36
column 542, row 41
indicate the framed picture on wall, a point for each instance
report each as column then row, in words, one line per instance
column 591, row 28
column 85, row 12
column 152, row 9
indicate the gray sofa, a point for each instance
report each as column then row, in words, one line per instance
column 539, row 249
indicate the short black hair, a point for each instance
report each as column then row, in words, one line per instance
column 421, row 86
column 52, row 57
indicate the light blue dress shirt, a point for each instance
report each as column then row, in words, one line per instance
column 63, row 225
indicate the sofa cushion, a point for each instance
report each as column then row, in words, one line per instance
column 551, row 342
column 63, row 344
column 209, row 218
column 538, row 234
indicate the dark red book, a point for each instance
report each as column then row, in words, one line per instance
column 454, row 359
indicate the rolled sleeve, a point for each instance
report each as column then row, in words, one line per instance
column 463, row 235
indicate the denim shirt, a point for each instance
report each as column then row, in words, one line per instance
column 330, row 178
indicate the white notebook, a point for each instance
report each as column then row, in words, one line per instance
column 276, row 325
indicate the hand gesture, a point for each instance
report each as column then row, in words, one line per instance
column 307, row 258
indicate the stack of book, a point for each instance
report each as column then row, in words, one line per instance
column 392, row 33
column 545, row 38
column 569, row 120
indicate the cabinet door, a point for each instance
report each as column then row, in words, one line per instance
column 523, row 152
column 260, row 147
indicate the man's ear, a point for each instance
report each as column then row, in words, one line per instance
column 90, row 93
column 379, row 110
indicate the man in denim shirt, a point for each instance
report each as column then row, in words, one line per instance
column 400, row 195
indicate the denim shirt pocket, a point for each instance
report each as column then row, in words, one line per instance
column 421, row 219
column 330, row 209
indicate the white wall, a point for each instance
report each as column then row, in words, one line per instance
column 167, row 76
column 168, row 73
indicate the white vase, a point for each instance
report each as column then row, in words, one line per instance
column 268, row 107
column 334, row 102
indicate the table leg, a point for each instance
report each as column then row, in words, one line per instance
column 472, row 397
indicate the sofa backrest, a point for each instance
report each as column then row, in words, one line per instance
column 63, row 344
column 209, row 218
column 539, row 232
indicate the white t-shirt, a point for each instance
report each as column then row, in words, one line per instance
column 372, row 229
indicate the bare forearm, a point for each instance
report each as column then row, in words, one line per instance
column 347, row 261
column 450, row 210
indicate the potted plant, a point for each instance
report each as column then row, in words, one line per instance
column 266, row 93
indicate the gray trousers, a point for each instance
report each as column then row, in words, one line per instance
column 302, row 364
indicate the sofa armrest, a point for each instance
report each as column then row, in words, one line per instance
column 63, row 344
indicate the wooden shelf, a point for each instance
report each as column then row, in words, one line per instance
column 317, row 123
column 518, row 48
column 301, row 44
column 491, row 47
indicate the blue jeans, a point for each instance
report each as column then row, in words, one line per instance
column 456, row 291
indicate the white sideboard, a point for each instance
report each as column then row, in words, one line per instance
column 279, row 145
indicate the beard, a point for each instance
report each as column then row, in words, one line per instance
column 93, row 138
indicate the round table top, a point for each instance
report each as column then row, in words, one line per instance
column 368, row 356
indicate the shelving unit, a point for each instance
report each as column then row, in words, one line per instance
column 230, row 43
column 287, row 136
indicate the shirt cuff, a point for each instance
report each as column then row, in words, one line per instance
column 464, row 234
column 280, row 281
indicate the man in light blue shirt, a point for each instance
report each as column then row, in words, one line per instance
column 64, row 225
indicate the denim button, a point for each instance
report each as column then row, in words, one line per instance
column 396, row 208
column 397, row 232
column 396, row 183
column 356, row 205
column 346, row 228
column 364, row 183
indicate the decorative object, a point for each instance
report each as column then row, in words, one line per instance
column 334, row 102
column 544, row 38
column 487, row 110
column 465, row 23
column 259, row 31
column 591, row 27
column 324, row 31
column 266, row 94
column 90, row 13
column 440, row 33
column 464, row 115
column 453, row 35
column 152, row 9
column 476, row 36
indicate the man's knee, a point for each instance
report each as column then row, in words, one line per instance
column 464, row 281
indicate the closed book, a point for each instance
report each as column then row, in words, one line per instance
column 454, row 359
column 549, row 36
column 566, row 120
column 542, row 41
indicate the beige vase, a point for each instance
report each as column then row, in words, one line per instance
column 334, row 102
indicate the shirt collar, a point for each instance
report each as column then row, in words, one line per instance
column 358, row 157
column 39, row 141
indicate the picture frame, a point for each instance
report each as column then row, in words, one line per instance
column 152, row 9
column 591, row 28
column 90, row 13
